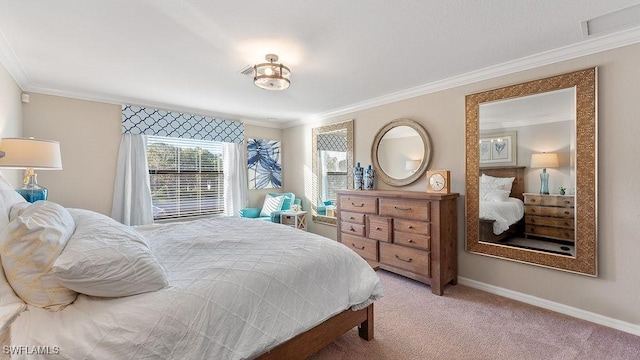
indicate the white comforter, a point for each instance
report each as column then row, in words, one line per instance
column 505, row 213
column 237, row 287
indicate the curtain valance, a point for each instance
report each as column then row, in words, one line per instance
column 332, row 142
column 139, row 120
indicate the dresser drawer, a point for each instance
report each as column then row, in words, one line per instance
column 352, row 217
column 361, row 204
column 406, row 209
column 367, row 249
column 549, row 200
column 412, row 226
column 556, row 233
column 353, row 229
column 411, row 239
column 566, row 223
column 379, row 228
column 549, row 211
column 413, row 260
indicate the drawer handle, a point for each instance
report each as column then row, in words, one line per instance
column 533, row 200
column 361, row 205
column 378, row 229
column 405, row 260
column 359, row 248
column 401, row 208
column 351, row 228
column 410, row 226
column 410, row 241
column 567, row 213
column 352, row 218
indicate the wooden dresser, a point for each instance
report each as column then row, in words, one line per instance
column 549, row 216
column 410, row 233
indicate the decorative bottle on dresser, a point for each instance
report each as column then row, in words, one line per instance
column 369, row 177
column 358, row 182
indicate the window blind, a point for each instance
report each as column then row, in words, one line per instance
column 186, row 177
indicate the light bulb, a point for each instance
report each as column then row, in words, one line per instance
column 268, row 71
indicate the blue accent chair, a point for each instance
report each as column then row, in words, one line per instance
column 254, row 212
column 322, row 209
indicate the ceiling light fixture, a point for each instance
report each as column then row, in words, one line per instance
column 271, row 76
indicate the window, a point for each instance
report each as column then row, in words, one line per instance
column 186, row 177
column 334, row 173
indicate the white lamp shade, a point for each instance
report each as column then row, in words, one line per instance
column 544, row 160
column 24, row 153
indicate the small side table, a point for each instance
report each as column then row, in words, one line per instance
column 295, row 219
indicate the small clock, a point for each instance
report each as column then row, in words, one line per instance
column 438, row 181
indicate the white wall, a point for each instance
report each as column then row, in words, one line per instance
column 10, row 118
column 615, row 293
column 89, row 135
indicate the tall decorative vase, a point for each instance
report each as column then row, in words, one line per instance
column 369, row 177
column 544, row 182
column 358, row 181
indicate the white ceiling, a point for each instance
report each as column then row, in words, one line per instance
column 343, row 55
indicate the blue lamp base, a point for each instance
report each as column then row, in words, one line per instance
column 31, row 191
column 544, row 182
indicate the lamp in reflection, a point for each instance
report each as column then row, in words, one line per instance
column 412, row 165
column 31, row 154
column 544, row 161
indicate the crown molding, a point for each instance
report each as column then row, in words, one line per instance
column 9, row 60
column 592, row 45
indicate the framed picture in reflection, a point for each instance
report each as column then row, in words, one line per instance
column 498, row 149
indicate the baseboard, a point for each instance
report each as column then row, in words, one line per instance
column 553, row 306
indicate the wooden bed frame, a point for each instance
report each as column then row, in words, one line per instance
column 485, row 229
column 313, row 340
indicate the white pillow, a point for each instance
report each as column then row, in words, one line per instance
column 17, row 209
column 29, row 245
column 8, row 198
column 106, row 258
column 496, row 195
column 7, row 295
column 271, row 203
column 497, row 182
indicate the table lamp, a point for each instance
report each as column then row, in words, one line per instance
column 544, row 161
column 30, row 154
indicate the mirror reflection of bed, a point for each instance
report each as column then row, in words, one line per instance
column 502, row 217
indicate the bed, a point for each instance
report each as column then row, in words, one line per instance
column 502, row 219
column 234, row 289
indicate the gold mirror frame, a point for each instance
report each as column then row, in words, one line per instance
column 585, row 260
column 426, row 156
column 348, row 125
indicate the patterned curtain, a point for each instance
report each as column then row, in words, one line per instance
column 139, row 120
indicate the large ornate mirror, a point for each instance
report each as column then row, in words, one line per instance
column 531, row 172
column 401, row 152
column 332, row 162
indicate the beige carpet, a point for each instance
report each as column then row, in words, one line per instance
column 465, row 323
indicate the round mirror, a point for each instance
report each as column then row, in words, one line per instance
column 401, row 152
